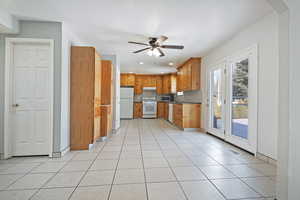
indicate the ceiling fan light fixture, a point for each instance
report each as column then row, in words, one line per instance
column 150, row 52
column 171, row 64
column 156, row 53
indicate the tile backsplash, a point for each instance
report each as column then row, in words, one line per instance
column 190, row 96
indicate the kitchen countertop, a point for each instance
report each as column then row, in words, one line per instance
column 184, row 102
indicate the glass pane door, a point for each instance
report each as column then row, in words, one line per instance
column 239, row 99
column 217, row 101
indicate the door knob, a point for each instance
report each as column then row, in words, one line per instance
column 15, row 105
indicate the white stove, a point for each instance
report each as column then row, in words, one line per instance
column 149, row 102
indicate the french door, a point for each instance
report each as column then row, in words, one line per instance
column 233, row 100
column 217, row 100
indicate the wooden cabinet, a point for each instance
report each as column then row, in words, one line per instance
column 127, row 79
column 166, row 84
column 106, row 82
column 106, row 120
column 166, row 111
column 173, row 83
column 159, row 84
column 160, row 110
column 85, row 97
column 163, row 110
column 188, row 75
column 187, row 115
column 138, row 87
column 123, row 80
column 137, row 110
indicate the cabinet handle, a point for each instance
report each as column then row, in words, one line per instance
column 16, row 105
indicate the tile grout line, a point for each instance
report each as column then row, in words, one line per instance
column 194, row 164
column 140, row 141
column 84, row 174
column 236, row 177
column 177, row 181
column 117, row 165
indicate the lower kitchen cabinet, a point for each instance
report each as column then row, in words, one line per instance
column 160, row 109
column 187, row 115
column 106, row 120
column 138, row 110
column 163, row 110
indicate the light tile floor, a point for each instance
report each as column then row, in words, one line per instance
column 145, row 160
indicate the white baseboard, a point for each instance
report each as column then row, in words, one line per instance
column 266, row 159
column 66, row 150
column 60, row 154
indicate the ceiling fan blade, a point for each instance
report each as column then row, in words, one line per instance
column 161, row 39
column 161, row 52
column 138, row 43
column 172, row 46
column 138, row 51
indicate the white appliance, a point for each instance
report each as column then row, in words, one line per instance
column 170, row 112
column 126, row 102
column 149, row 109
column 149, row 102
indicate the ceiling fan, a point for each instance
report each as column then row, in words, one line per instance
column 155, row 45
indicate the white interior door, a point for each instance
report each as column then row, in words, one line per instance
column 217, row 100
column 30, row 115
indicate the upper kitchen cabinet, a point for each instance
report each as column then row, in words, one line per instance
column 138, row 87
column 188, row 75
column 127, row 80
column 159, row 84
column 106, row 82
column 149, row 80
column 169, row 84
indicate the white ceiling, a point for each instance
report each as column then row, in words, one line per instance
column 199, row 25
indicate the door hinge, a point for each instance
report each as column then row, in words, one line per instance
column 225, row 71
column 224, row 101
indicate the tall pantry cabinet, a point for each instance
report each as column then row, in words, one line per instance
column 85, row 97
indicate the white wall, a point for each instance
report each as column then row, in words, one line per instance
column 265, row 34
column 68, row 38
column 294, row 96
column 8, row 23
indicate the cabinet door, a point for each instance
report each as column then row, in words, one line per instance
column 160, row 109
column 123, row 81
column 137, row 110
column 138, row 87
column 173, row 84
column 189, row 77
column 166, row 111
column 179, row 79
column 195, row 74
column 106, row 82
column 159, row 85
column 152, row 81
column 130, row 79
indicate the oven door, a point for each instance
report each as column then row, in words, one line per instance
column 149, row 108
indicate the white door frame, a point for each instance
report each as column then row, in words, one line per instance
column 220, row 65
column 252, row 54
column 9, row 42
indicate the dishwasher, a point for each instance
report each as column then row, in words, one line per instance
column 170, row 118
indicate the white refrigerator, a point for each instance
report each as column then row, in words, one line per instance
column 126, row 102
